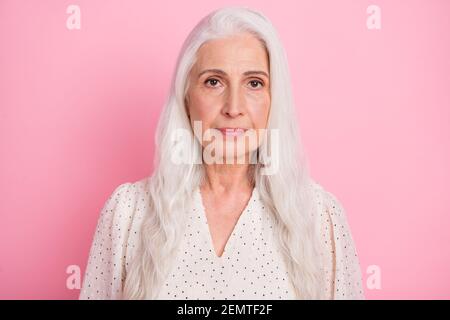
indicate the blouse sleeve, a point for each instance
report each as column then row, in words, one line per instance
column 341, row 264
column 105, row 270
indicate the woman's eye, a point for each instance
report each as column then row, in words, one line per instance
column 212, row 82
column 256, row 84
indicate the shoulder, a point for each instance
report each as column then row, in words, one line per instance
column 123, row 213
column 341, row 263
column 126, row 198
column 129, row 201
column 331, row 215
column 323, row 195
column 123, row 202
column 128, row 193
column 114, row 241
column 327, row 204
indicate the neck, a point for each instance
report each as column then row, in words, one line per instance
column 225, row 178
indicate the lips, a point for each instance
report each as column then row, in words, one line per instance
column 232, row 132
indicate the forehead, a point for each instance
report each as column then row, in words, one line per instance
column 237, row 51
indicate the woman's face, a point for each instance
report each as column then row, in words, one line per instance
column 229, row 89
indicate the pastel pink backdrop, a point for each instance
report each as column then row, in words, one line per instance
column 78, row 110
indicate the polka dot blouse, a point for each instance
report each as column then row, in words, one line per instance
column 251, row 266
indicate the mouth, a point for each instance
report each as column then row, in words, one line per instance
column 232, row 132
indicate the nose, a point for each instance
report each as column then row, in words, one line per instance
column 234, row 104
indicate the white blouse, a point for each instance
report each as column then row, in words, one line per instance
column 251, row 266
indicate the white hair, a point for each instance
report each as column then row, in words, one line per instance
column 287, row 193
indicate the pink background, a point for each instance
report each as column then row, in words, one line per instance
column 78, row 110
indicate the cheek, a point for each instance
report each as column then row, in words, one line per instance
column 258, row 108
column 204, row 107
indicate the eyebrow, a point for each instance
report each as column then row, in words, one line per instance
column 246, row 73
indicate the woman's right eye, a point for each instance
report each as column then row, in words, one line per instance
column 212, row 82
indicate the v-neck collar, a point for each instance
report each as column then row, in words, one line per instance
column 205, row 226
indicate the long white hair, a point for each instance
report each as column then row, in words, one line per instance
column 287, row 193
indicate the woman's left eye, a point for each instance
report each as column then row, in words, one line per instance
column 256, row 84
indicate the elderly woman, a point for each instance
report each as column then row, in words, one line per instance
column 219, row 218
